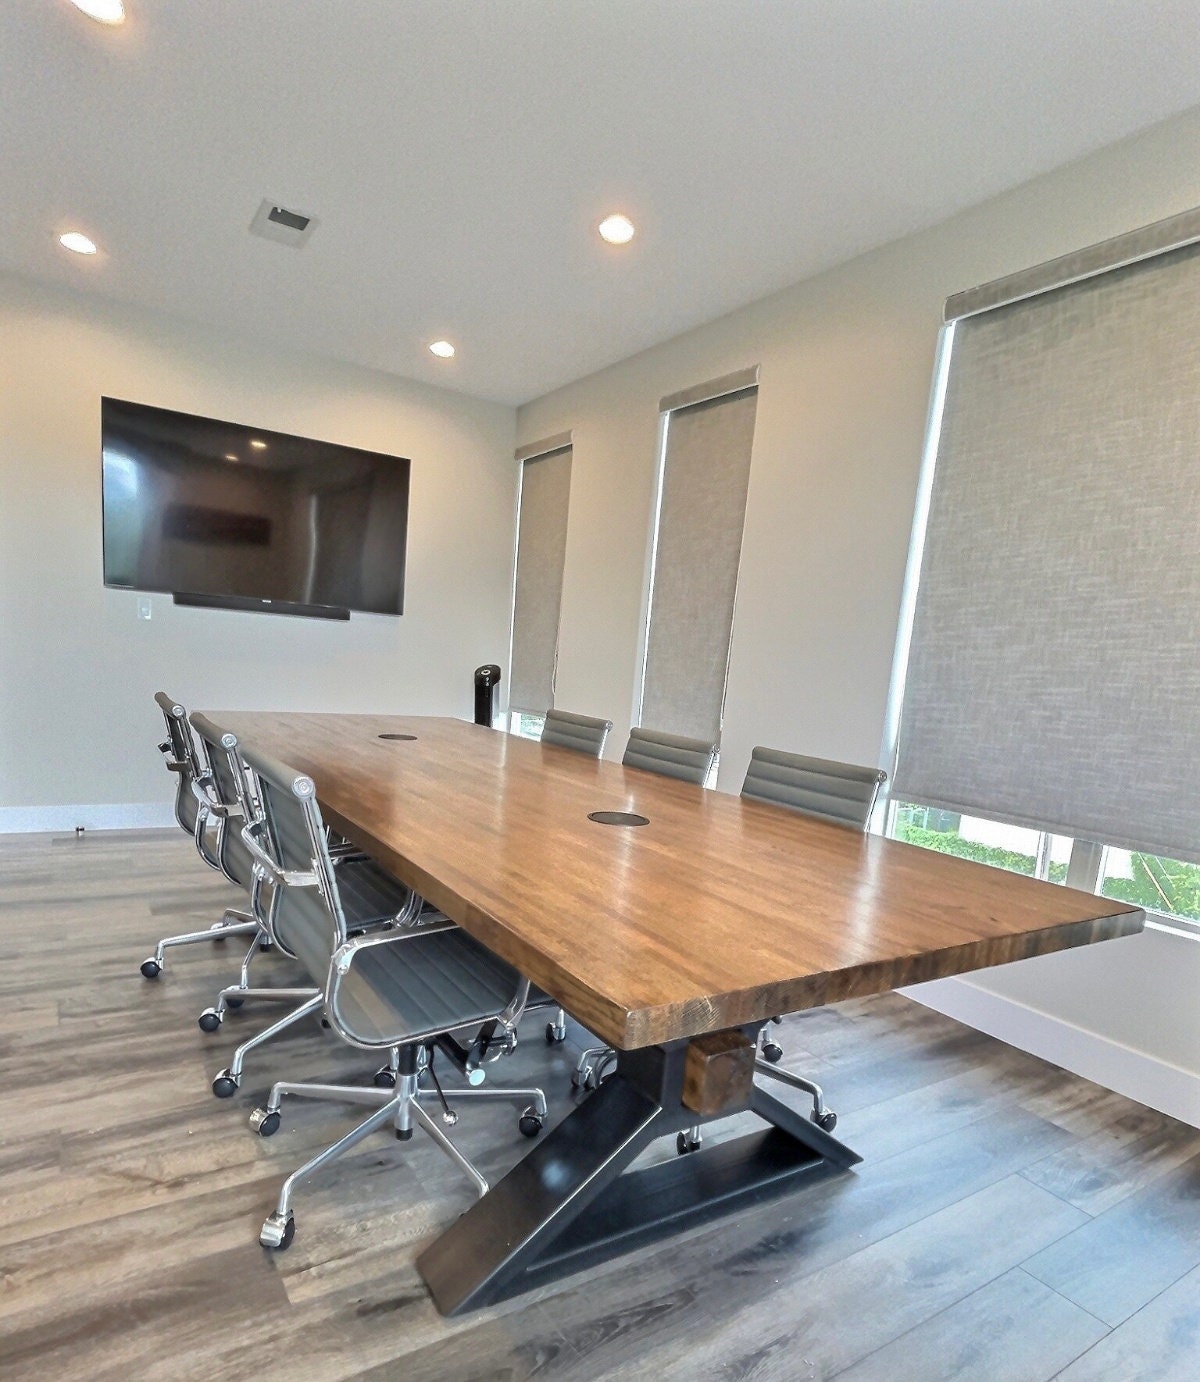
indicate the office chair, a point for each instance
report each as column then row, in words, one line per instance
column 193, row 815
column 408, row 991
column 583, row 734
column 231, row 800
column 669, row 755
column 830, row 791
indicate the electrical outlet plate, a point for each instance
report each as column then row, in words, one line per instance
column 145, row 608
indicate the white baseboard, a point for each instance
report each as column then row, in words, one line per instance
column 1160, row 1085
column 140, row 815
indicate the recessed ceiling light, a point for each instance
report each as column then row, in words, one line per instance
column 258, row 445
column 229, row 456
column 77, row 243
column 106, row 11
column 442, row 349
column 616, row 229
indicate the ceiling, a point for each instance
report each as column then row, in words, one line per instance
column 459, row 153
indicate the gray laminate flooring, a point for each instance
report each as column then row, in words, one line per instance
column 1009, row 1221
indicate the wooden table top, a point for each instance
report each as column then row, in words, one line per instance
column 719, row 911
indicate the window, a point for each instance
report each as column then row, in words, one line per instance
column 1167, row 887
column 537, row 588
column 1035, row 853
column 1048, row 663
column 705, row 471
column 526, row 725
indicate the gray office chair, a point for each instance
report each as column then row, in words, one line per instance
column 193, row 815
column 231, row 800
column 831, row 791
column 407, row 991
column 583, row 734
column 669, row 755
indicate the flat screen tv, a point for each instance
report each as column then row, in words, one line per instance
column 220, row 514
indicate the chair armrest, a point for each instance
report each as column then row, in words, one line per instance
column 344, row 956
column 286, row 877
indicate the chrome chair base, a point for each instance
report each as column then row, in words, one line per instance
column 228, row 1081
column 823, row 1117
column 689, row 1140
column 399, row 1106
column 590, row 1071
column 233, row 923
column 556, row 1028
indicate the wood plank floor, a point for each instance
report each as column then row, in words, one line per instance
column 1009, row 1221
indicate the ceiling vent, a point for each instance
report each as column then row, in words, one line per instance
column 275, row 222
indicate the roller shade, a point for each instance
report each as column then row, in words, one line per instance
column 1053, row 677
column 702, row 508
column 541, row 549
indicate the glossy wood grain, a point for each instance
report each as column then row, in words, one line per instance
column 719, row 911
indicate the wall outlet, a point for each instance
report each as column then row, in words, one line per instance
column 145, row 609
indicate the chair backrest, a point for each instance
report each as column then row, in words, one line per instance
column 306, row 914
column 582, row 733
column 671, row 755
column 180, row 753
column 230, row 785
column 840, row 792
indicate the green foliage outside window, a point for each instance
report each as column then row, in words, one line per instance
column 1159, row 885
column 950, row 842
column 1168, row 886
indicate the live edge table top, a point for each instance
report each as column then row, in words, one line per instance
column 720, row 911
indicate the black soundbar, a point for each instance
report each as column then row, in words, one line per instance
column 261, row 606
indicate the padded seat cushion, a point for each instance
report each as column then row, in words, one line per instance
column 422, row 984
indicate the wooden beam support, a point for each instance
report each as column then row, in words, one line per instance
column 718, row 1073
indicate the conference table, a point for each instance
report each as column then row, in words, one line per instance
column 673, row 922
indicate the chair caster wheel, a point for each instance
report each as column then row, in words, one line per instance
column 234, row 1002
column 225, row 1086
column 385, row 1078
column 826, row 1121
column 277, row 1233
column 264, row 946
column 151, row 968
column 531, row 1122
column 772, row 1051
column 210, row 1020
column 685, row 1144
column 554, row 1035
column 265, row 1122
column 325, row 1023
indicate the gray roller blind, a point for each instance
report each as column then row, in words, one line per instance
column 1054, row 671
column 541, row 548
column 702, row 508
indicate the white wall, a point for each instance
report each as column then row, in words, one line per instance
column 78, row 669
column 846, row 360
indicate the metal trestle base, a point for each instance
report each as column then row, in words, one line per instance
column 570, row 1203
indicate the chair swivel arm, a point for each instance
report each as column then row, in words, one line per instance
column 493, row 1039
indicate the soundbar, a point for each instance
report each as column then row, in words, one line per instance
column 247, row 602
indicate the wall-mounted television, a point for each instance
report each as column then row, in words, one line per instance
column 216, row 513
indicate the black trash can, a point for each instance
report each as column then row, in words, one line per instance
column 487, row 681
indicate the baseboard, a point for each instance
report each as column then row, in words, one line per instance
column 1168, row 1088
column 141, row 815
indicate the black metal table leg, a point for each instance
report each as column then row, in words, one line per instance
column 570, row 1203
